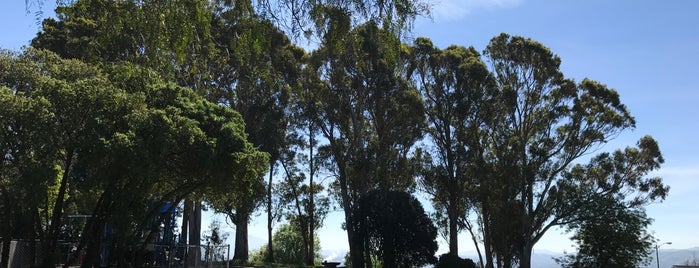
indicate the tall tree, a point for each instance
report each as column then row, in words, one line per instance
column 369, row 115
column 202, row 45
column 144, row 142
column 304, row 208
column 27, row 170
column 261, row 67
column 544, row 123
column 456, row 87
column 84, row 106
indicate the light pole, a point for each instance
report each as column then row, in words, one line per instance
column 657, row 257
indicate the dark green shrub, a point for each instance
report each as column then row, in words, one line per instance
column 452, row 261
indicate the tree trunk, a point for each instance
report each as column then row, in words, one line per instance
column 92, row 255
column 6, row 241
column 186, row 211
column 31, row 233
column 55, row 227
column 311, row 212
column 487, row 238
column 86, row 234
column 240, row 254
column 366, row 250
column 389, row 258
column 5, row 229
column 356, row 243
column 195, row 234
column 453, row 230
column 270, row 249
column 526, row 255
column 469, row 227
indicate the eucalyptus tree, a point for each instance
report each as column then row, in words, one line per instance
column 259, row 70
column 299, row 17
column 544, row 124
column 457, row 88
column 370, row 116
column 302, row 161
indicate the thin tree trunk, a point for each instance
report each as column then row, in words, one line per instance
column 303, row 225
column 86, row 234
column 93, row 238
column 526, row 255
column 6, row 229
column 31, row 233
column 469, row 227
column 356, row 243
column 270, row 249
column 487, row 238
column 55, row 227
column 186, row 212
column 311, row 212
column 92, row 255
column 389, row 258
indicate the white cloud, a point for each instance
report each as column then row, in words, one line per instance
column 456, row 9
column 332, row 257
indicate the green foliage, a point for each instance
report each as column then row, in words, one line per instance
column 288, row 248
column 449, row 260
column 456, row 87
column 396, row 228
column 171, row 37
column 613, row 237
column 27, row 172
column 370, row 116
column 307, row 17
column 128, row 112
column 302, row 205
column 154, row 141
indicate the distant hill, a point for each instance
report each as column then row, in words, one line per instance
column 545, row 259
column 670, row 257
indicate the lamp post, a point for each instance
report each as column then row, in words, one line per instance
column 657, row 257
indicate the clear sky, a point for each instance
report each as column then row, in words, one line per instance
column 647, row 50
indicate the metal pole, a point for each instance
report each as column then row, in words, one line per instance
column 657, row 256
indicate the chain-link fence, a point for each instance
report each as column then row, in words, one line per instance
column 190, row 256
column 196, row 256
column 216, row 256
column 25, row 253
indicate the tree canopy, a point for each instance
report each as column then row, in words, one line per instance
column 613, row 237
column 154, row 142
column 122, row 107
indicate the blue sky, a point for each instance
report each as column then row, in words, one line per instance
column 647, row 50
